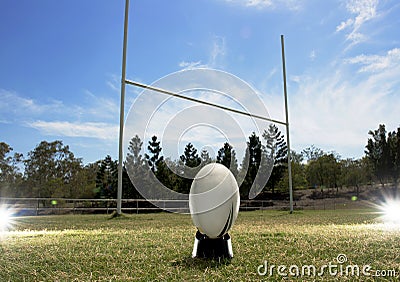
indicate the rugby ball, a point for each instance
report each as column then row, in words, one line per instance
column 214, row 200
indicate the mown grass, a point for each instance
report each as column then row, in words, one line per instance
column 157, row 247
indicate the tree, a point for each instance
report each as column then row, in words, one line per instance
column 298, row 174
column 312, row 153
column 155, row 149
column 277, row 148
column 138, row 170
column 397, row 158
column 158, row 166
column 234, row 164
column 190, row 159
column 50, row 166
column 379, row 153
column 313, row 168
column 133, row 156
column 368, row 171
column 107, row 178
column 250, row 164
column 128, row 189
column 205, row 157
column 10, row 176
column 394, row 149
column 84, row 184
column 324, row 171
column 353, row 173
column 169, row 174
column 227, row 157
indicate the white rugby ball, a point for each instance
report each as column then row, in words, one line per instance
column 214, row 200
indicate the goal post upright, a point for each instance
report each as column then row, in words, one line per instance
column 287, row 126
column 122, row 111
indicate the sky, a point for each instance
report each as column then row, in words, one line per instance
column 60, row 68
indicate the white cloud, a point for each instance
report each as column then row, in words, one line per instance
column 356, row 38
column 191, row 65
column 12, row 103
column 99, row 107
column 218, row 51
column 91, row 107
column 345, row 24
column 114, row 83
column 362, row 11
column 94, row 116
column 96, row 130
column 298, row 78
column 374, row 63
column 293, row 5
column 259, row 3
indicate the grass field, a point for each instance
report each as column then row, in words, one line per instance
column 157, row 247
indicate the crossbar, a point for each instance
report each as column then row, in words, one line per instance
column 170, row 93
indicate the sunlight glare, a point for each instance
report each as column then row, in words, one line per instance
column 391, row 211
column 5, row 218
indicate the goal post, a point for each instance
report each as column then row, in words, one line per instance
column 124, row 81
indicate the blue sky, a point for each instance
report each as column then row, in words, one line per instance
column 61, row 64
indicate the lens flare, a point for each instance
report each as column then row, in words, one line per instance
column 6, row 218
column 391, row 211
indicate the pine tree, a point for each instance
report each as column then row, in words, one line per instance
column 205, row 157
column 277, row 148
column 155, row 149
column 136, row 169
column 190, row 159
column 250, row 164
column 227, row 157
column 107, row 178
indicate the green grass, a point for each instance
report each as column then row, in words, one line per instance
column 148, row 247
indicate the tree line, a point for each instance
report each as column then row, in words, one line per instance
column 52, row 170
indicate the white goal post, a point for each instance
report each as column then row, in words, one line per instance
column 124, row 81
